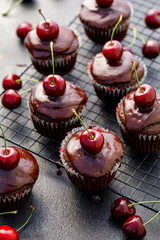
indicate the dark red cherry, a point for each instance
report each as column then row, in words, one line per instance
column 48, row 30
column 152, row 18
column 94, row 145
column 133, row 228
column 8, row 233
column 151, row 49
column 120, row 209
column 23, row 29
column 9, row 160
column 104, row 3
column 9, row 82
column 113, row 52
column 11, row 99
column 56, row 89
column 146, row 98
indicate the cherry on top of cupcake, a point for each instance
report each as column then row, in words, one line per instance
column 104, row 3
column 91, row 140
column 54, row 85
column 47, row 29
column 113, row 49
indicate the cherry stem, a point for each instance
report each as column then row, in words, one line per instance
column 133, row 64
column 40, row 11
column 51, row 46
column 4, row 140
column 114, row 29
column 134, row 38
column 32, row 209
column 11, row 212
column 27, row 79
column 140, row 37
column 91, row 136
column 151, row 219
column 132, row 204
column 11, row 6
column 25, row 91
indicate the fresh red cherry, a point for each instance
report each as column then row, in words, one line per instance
column 104, row 3
column 23, row 29
column 151, row 49
column 133, row 228
column 56, row 89
column 9, row 160
column 94, row 145
column 8, row 233
column 11, row 99
column 146, row 98
column 113, row 51
column 47, row 29
column 9, row 82
column 152, row 18
column 120, row 209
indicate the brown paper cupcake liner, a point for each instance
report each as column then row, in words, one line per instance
column 84, row 182
column 141, row 143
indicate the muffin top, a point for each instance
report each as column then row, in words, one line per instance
column 26, row 173
column 139, row 121
column 51, row 108
column 93, row 165
column 120, row 73
column 99, row 17
column 66, row 43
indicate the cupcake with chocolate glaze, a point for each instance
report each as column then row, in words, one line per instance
column 99, row 20
column 17, row 183
column 113, row 80
column 91, row 167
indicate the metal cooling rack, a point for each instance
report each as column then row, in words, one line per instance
column 138, row 178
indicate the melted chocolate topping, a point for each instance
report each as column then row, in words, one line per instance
column 137, row 119
column 100, row 17
column 94, row 165
column 109, row 73
column 56, row 108
column 24, row 174
column 65, row 43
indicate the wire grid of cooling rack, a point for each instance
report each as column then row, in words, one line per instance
column 138, row 178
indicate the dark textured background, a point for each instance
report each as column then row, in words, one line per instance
column 64, row 212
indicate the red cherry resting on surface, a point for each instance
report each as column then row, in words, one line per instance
column 146, row 98
column 94, row 145
column 120, row 209
column 113, row 52
column 10, row 160
column 9, row 82
column 133, row 228
column 152, row 18
column 23, row 28
column 8, row 233
column 56, row 89
column 151, row 49
column 11, row 99
column 104, row 3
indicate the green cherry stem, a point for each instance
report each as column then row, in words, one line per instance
column 151, row 219
column 11, row 212
column 132, row 204
column 27, row 79
column 11, row 6
column 134, row 37
column 32, row 209
column 133, row 64
column 40, row 11
column 75, row 113
column 25, row 91
column 114, row 29
column 5, row 145
column 51, row 46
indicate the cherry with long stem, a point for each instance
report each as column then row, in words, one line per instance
column 11, row 6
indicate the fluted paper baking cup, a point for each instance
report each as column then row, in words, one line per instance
column 84, row 182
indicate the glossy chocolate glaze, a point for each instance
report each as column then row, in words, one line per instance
column 94, row 165
column 26, row 173
column 121, row 72
column 99, row 17
column 65, row 43
column 56, row 108
column 135, row 119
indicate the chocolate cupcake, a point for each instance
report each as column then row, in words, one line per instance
column 52, row 115
column 99, row 21
column 91, row 171
column 140, row 126
column 16, row 184
column 113, row 80
column 65, row 49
